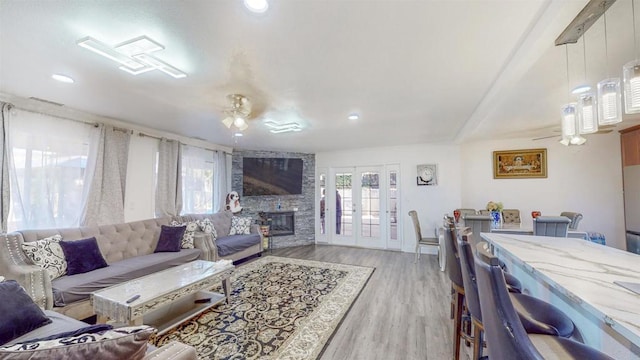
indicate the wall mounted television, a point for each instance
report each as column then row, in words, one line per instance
column 271, row 176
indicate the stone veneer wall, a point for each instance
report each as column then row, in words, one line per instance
column 305, row 203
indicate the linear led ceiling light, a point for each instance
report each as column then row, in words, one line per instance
column 133, row 55
column 282, row 128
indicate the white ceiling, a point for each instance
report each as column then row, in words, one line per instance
column 417, row 71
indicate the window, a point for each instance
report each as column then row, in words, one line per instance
column 48, row 158
column 197, row 180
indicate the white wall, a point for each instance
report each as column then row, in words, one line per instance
column 585, row 179
column 431, row 202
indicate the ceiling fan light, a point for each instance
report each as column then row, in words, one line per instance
column 239, row 122
column 609, row 102
column 631, row 79
column 228, row 122
column 578, row 140
column 243, row 127
column 587, row 113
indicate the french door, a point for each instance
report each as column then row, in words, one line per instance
column 360, row 216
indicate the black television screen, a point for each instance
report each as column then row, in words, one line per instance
column 271, row 176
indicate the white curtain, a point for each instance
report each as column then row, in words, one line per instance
column 47, row 163
column 5, row 198
column 220, row 185
column 169, row 179
column 197, row 180
column 106, row 178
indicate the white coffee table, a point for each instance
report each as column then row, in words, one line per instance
column 166, row 298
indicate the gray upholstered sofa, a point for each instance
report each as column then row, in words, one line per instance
column 225, row 246
column 128, row 249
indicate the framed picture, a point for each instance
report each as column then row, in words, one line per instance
column 520, row 164
column 427, row 174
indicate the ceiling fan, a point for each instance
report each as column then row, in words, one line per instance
column 237, row 114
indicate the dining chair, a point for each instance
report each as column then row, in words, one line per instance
column 505, row 335
column 557, row 226
column 511, row 216
column 484, row 212
column 476, row 225
column 464, row 212
column 452, row 266
column 574, row 217
column 422, row 240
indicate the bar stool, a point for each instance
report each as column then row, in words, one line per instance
column 461, row 326
column 537, row 316
column 503, row 327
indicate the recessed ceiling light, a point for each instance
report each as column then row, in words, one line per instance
column 62, row 78
column 256, row 6
column 353, row 117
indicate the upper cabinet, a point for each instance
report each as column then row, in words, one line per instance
column 630, row 142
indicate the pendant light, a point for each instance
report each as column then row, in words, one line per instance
column 609, row 92
column 570, row 133
column 631, row 75
column 586, row 107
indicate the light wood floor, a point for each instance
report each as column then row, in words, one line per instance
column 402, row 313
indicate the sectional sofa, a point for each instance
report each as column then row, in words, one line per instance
column 129, row 252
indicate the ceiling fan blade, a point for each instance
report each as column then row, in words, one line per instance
column 243, row 127
column 544, row 137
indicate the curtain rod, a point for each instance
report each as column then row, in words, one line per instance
column 140, row 133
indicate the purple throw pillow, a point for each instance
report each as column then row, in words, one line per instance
column 20, row 314
column 82, row 255
column 170, row 238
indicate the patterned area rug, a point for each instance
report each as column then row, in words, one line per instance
column 281, row 308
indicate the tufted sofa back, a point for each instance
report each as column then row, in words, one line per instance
column 221, row 220
column 116, row 242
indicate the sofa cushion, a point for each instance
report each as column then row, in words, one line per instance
column 69, row 289
column 82, row 255
column 170, row 238
column 189, row 233
column 228, row 245
column 20, row 314
column 47, row 254
column 121, row 343
column 240, row 226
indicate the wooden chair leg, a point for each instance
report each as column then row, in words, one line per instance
column 478, row 339
column 457, row 325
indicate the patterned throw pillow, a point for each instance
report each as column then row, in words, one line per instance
column 121, row 343
column 206, row 226
column 47, row 254
column 240, row 226
column 189, row 233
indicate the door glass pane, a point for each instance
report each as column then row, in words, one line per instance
column 344, row 201
column 323, row 184
column 393, row 205
column 370, row 204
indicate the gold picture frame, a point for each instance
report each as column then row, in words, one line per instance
column 520, row 164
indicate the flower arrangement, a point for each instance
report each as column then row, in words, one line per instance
column 494, row 206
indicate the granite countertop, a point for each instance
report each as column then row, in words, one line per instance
column 584, row 272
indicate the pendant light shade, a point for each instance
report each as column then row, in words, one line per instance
column 568, row 123
column 609, row 102
column 631, row 77
column 587, row 111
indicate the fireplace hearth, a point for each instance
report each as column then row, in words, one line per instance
column 282, row 223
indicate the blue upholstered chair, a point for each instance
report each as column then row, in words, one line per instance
column 506, row 336
column 557, row 226
column 476, row 225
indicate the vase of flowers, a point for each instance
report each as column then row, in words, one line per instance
column 495, row 209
